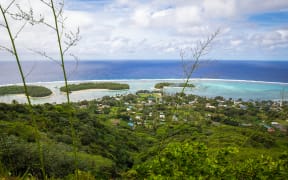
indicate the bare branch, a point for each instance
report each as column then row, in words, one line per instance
column 46, row 3
column 60, row 18
column 72, row 39
column 201, row 49
column 184, row 65
column 7, row 49
column 11, row 3
column 44, row 54
column 48, row 25
column 21, row 15
column 31, row 70
column 62, row 22
column 3, row 25
column 29, row 17
column 22, row 27
column 76, row 65
column 60, row 11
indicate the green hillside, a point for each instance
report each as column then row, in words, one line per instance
column 125, row 138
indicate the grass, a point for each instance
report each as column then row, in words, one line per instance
column 145, row 95
column 163, row 84
column 103, row 85
column 97, row 160
column 33, row 91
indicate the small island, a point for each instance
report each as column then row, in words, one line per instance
column 33, row 91
column 102, row 85
column 167, row 84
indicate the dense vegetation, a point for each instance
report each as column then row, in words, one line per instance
column 202, row 138
column 103, row 85
column 33, row 91
column 163, row 84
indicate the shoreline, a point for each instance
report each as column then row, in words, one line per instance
column 227, row 88
column 147, row 80
column 85, row 90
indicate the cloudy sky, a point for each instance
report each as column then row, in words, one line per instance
column 158, row 29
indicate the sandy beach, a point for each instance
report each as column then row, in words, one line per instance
column 235, row 89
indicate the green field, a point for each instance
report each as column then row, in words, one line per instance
column 33, row 91
column 163, row 84
column 104, row 85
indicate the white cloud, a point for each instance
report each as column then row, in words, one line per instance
column 258, row 6
column 155, row 28
column 188, row 15
column 271, row 39
column 236, row 42
column 142, row 17
column 219, row 8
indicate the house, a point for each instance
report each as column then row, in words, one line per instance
column 209, row 106
column 192, row 102
column 150, row 114
column 269, row 128
column 220, row 101
column 175, row 118
column 236, row 102
column 278, row 103
column 129, row 108
column 222, row 105
column 208, row 116
column 131, row 124
column 279, row 126
column 83, row 106
column 162, row 115
column 274, row 123
column 243, row 107
column 151, row 99
column 159, row 100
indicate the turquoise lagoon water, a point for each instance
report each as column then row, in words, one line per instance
column 246, row 90
column 235, row 89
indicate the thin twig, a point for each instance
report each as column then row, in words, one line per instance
column 72, row 38
column 60, row 11
column 22, row 27
column 31, row 70
column 46, row 3
column 44, row 54
column 2, row 25
column 76, row 65
column 11, row 3
column 29, row 17
column 201, row 49
column 7, row 49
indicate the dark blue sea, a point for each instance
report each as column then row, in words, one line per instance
column 45, row 71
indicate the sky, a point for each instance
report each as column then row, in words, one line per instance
column 157, row 29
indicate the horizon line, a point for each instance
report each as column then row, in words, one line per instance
column 83, row 60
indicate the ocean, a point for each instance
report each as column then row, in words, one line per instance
column 256, row 80
column 46, row 71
